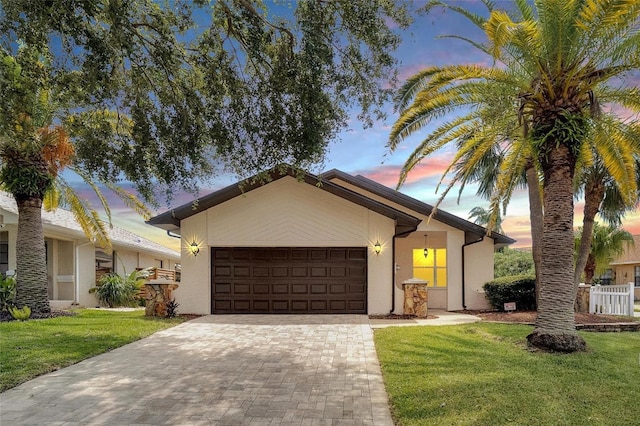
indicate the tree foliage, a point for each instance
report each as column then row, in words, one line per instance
column 236, row 85
column 554, row 63
column 607, row 243
column 509, row 262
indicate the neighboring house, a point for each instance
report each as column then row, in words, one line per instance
column 307, row 244
column 626, row 268
column 73, row 262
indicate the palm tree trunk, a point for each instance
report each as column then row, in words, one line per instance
column 536, row 218
column 555, row 326
column 589, row 269
column 593, row 196
column 31, row 279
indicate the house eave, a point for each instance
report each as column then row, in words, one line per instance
column 171, row 219
column 472, row 230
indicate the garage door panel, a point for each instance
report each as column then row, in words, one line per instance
column 301, row 306
column 222, row 288
column 338, row 305
column 241, row 288
column 241, row 271
column 356, row 288
column 299, row 271
column 299, row 254
column 289, row 280
column 299, row 289
column 222, row 271
column 357, row 271
column 357, row 254
column 261, row 288
column 337, row 288
column 318, row 289
column 318, row 306
column 338, row 254
column 222, row 305
column 260, row 271
column 221, row 254
column 356, row 305
column 241, row 254
column 338, row 271
column 280, row 289
column 240, row 305
column 317, row 254
column 280, row 271
column 280, row 306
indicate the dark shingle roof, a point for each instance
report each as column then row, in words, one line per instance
column 417, row 206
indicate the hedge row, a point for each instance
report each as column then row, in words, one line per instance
column 520, row 289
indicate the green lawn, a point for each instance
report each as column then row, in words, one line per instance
column 29, row 349
column 482, row 374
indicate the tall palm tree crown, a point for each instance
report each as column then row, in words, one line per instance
column 555, row 63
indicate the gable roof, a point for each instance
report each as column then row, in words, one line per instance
column 405, row 223
column 170, row 220
column 66, row 222
column 472, row 230
column 631, row 254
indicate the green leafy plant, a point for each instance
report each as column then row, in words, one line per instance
column 20, row 314
column 172, row 308
column 520, row 289
column 115, row 290
column 7, row 293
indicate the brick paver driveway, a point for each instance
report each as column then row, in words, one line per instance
column 230, row 369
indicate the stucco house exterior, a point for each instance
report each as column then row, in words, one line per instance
column 626, row 268
column 334, row 243
column 72, row 259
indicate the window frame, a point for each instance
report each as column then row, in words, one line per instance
column 433, row 252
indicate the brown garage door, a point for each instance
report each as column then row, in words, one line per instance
column 289, row 280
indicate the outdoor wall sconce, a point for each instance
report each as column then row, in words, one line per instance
column 194, row 249
column 426, row 250
column 377, row 247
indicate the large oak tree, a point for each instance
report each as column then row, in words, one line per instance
column 201, row 87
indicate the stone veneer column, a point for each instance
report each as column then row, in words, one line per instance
column 415, row 297
column 158, row 294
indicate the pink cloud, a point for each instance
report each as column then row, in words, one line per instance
column 388, row 175
column 620, row 111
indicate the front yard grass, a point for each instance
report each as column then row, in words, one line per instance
column 483, row 374
column 29, row 349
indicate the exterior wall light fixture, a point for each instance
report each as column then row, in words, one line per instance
column 426, row 250
column 194, row 249
column 377, row 247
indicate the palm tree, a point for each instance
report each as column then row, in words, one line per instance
column 33, row 153
column 608, row 242
column 482, row 217
column 601, row 196
column 552, row 66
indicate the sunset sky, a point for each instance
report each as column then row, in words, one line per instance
column 363, row 151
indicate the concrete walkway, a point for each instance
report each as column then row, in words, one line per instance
column 222, row 370
column 443, row 318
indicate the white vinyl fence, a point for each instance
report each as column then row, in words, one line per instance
column 611, row 299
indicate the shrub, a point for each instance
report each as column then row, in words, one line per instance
column 7, row 293
column 172, row 308
column 520, row 289
column 20, row 314
column 114, row 290
column 509, row 262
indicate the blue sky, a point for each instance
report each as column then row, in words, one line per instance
column 363, row 151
